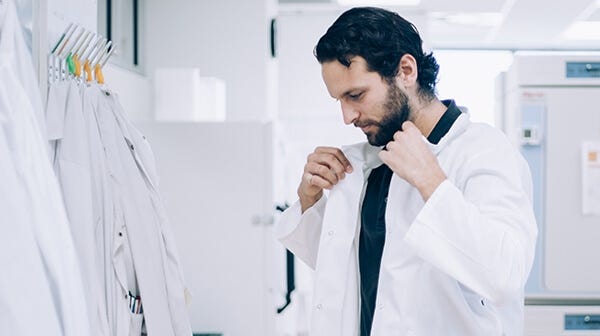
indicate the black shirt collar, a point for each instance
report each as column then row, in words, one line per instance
column 445, row 123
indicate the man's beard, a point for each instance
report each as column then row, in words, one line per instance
column 397, row 111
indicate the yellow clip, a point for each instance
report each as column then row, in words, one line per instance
column 77, row 65
column 98, row 73
column 88, row 71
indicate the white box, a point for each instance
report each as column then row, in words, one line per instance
column 181, row 94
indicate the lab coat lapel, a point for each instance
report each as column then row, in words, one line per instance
column 140, row 149
column 336, row 295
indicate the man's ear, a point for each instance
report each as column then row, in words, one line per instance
column 408, row 71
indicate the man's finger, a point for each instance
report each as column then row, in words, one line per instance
column 318, row 181
column 323, row 171
column 330, row 161
column 338, row 154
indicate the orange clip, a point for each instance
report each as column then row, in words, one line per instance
column 77, row 65
column 98, row 73
column 88, row 71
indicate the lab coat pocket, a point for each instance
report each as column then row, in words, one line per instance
column 135, row 324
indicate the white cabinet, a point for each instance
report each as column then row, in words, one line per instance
column 215, row 178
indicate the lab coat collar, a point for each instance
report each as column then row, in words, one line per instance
column 367, row 156
column 459, row 126
column 363, row 156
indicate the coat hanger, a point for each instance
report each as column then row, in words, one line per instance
column 79, row 49
column 102, row 59
column 55, row 65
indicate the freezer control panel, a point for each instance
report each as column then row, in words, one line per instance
column 583, row 69
column 582, row 322
column 530, row 136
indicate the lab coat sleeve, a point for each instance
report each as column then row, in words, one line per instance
column 482, row 234
column 301, row 232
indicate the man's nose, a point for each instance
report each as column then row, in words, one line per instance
column 349, row 112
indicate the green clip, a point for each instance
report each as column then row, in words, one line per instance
column 71, row 64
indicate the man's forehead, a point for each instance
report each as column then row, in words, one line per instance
column 340, row 79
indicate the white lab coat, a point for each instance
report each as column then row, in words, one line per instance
column 178, row 295
column 24, row 286
column 104, row 212
column 50, row 299
column 68, row 131
column 455, row 265
column 144, row 243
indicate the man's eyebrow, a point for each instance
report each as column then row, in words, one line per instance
column 349, row 91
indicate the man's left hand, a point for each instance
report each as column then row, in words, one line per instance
column 408, row 156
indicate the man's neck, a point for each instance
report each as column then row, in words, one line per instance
column 426, row 114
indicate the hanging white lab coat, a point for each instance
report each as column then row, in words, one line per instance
column 142, row 239
column 104, row 214
column 24, row 286
column 115, row 264
column 455, row 265
column 38, row 195
column 177, row 294
column 68, row 132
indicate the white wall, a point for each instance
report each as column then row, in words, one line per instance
column 228, row 39
column 134, row 90
column 63, row 12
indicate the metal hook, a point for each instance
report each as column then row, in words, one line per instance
column 106, row 51
column 62, row 37
column 94, row 60
column 108, row 54
column 92, row 45
column 78, row 48
column 65, row 41
column 76, row 41
column 85, row 46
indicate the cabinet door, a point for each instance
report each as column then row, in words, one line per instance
column 215, row 178
column 571, row 238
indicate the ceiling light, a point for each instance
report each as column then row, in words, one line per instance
column 480, row 19
column 400, row 3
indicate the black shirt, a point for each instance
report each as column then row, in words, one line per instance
column 372, row 231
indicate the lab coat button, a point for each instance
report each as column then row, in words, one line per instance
column 330, row 233
column 120, row 234
column 380, row 307
column 319, row 306
column 132, row 148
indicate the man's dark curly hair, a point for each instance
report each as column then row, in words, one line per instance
column 380, row 37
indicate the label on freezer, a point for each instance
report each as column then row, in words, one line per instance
column 590, row 175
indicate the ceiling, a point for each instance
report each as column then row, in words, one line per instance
column 494, row 24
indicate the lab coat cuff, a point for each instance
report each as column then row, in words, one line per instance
column 292, row 218
column 300, row 233
column 421, row 226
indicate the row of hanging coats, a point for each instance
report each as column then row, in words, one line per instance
column 41, row 287
column 96, row 255
column 107, row 174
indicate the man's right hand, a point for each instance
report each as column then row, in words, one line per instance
column 324, row 168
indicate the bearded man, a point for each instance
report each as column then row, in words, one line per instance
column 426, row 229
